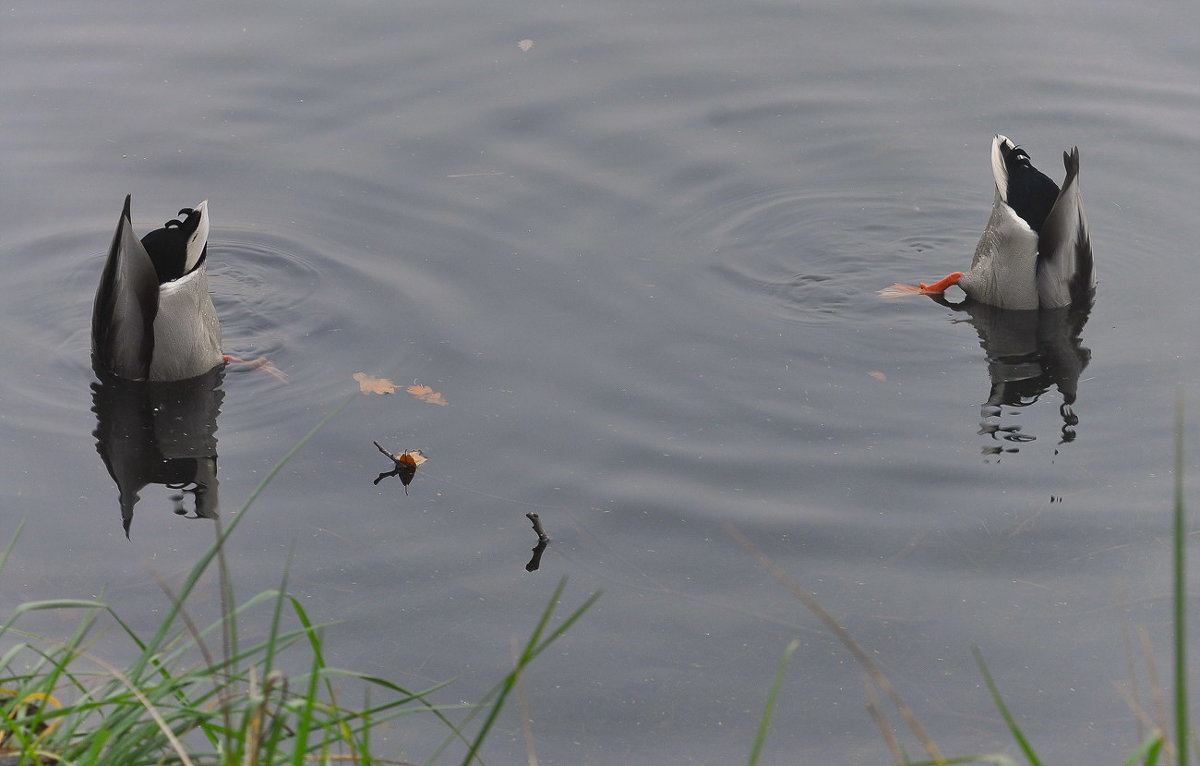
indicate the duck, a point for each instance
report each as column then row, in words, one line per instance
column 1035, row 252
column 153, row 317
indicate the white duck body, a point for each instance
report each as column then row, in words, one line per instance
column 1035, row 251
column 153, row 317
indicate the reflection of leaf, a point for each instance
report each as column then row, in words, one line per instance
column 427, row 394
column 369, row 384
column 525, row 44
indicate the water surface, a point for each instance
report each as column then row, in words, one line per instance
column 639, row 261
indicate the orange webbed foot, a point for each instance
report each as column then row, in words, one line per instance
column 939, row 287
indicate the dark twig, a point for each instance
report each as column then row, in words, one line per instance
column 537, row 527
column 540, row 548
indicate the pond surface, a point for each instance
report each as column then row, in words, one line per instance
column 638, row 258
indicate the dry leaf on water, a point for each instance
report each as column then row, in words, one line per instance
column 369, row 384
column 427, row 394
column 405, row 465
column 525, row 44
column 413, row 457
column 409, row 457
column 878, row 376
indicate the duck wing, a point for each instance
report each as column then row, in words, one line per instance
column 187, row 333
column 1066, row 270
column 126, row 305
column 1003, row 270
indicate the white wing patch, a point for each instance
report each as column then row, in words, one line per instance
column 199, row 238
column 999, row 170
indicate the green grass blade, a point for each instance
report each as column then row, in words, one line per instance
column 307, row 717
column 1147, row 752
column 511, row 680
column 12, row 543
column 765, row 723
column 1179, row 576
column 277, row 614
column 1018, row 735
column 534, row 646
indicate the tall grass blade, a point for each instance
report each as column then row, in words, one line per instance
column 1147, row 752
column 769, row 709
column 12, row 543
column 882, row 723
column 1180, row 595
column 864, row 660
column 533, row 647
column 1018, row 735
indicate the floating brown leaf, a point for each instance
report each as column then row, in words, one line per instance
column 369, row 384
column 878, row 376
column 427, row 394
column 405, row 465
column 525, row 44
column 413, row 457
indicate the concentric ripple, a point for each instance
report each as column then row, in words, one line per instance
column 815, row 254
column 276, row 297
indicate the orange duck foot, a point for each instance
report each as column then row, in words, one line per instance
column 939, row 287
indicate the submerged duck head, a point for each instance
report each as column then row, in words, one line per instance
column 1035, row 251
column 153, row 318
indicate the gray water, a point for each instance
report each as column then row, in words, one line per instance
column 639, row 260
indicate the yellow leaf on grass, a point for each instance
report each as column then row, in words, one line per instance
column 427, row 394
column 369, row 384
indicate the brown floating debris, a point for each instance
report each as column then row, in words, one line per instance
column 369, row 384
column 405, row 465
column 427, row 394
column 540, row 548
column 537, row 527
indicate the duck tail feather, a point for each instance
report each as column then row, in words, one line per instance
column 125, row 306
column 1066, row 268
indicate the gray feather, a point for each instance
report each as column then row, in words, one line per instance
column 1004, row 270
column 1066, row 270
column 187, row 335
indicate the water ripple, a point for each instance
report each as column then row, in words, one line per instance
column 275, row 294
column 818, row 254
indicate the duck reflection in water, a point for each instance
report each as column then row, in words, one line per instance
column 160, row 433
column 1028, row 352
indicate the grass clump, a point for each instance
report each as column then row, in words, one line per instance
column 69, row 705
column 207, row 694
